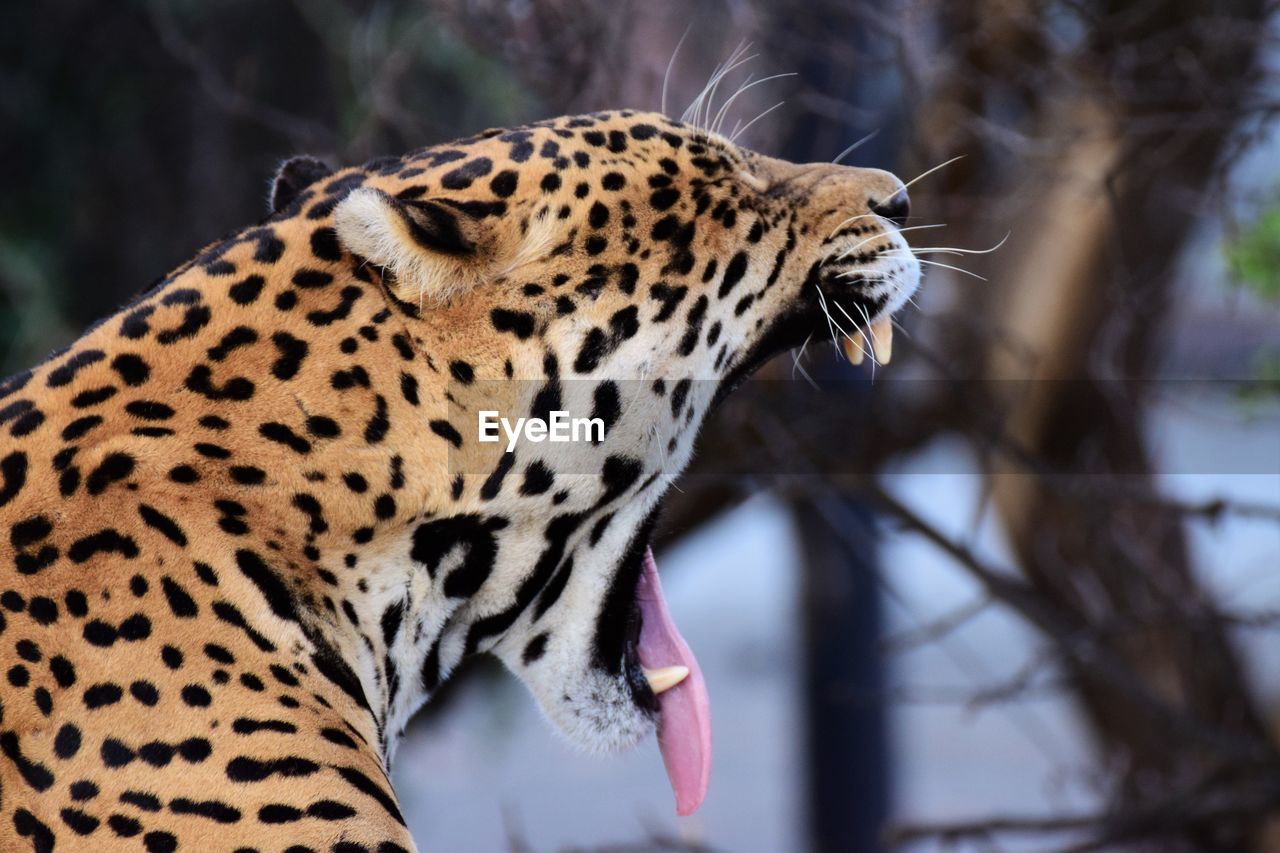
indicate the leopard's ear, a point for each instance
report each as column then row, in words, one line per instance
column 294, row 176
column 432, row 249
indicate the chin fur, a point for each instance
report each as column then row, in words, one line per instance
column 597, row 715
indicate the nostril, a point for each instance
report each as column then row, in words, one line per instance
column 895, row 208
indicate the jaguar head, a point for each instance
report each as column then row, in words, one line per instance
column 625, row 269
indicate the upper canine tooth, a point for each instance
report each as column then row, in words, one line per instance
column 854, row 348
column 882, row 340
column 664, row 678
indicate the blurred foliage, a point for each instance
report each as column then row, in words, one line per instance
column 1265, row 384
column 1253, row 256
column 158, row 126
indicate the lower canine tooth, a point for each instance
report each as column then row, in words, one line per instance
column 854, row 348
column 663, row 679
column 882, row 340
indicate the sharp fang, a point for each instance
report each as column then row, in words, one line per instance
column 882, row 340
column 663, row 679
column 854, row 348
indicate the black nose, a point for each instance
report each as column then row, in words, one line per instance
column 895, row 208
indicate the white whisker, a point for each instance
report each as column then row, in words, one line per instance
column 702, row 103
column 897, row 281
column 718, row 121
column 796, row 365
column 690, row 111
column 959, row 251
column 847, row 221
column 931, row 171
column 720, row 113
column 855, row 146
column 747, row 126
column 823, row 302
column 950, row 267
column 832, row 324
column 855, row 323
column 703, row 118
column 845, row 254
column 866, row 337
column 849, row 252
column 861, row 341
column 666, row 78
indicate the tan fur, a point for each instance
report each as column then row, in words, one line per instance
column 256, row 463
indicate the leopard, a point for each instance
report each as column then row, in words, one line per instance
column 249, row 526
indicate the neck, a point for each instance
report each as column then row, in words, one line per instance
column 341, row 517
column 317, row 467
column 374, row 497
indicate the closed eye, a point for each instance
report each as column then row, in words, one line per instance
column 758, row 184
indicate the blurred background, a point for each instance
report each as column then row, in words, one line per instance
column 1019, row 591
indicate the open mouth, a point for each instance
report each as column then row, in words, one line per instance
column 663, row 673
column 665, row 677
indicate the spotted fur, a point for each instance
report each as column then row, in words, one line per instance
column 247, row 529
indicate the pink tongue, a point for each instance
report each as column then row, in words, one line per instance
column 684, row 727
